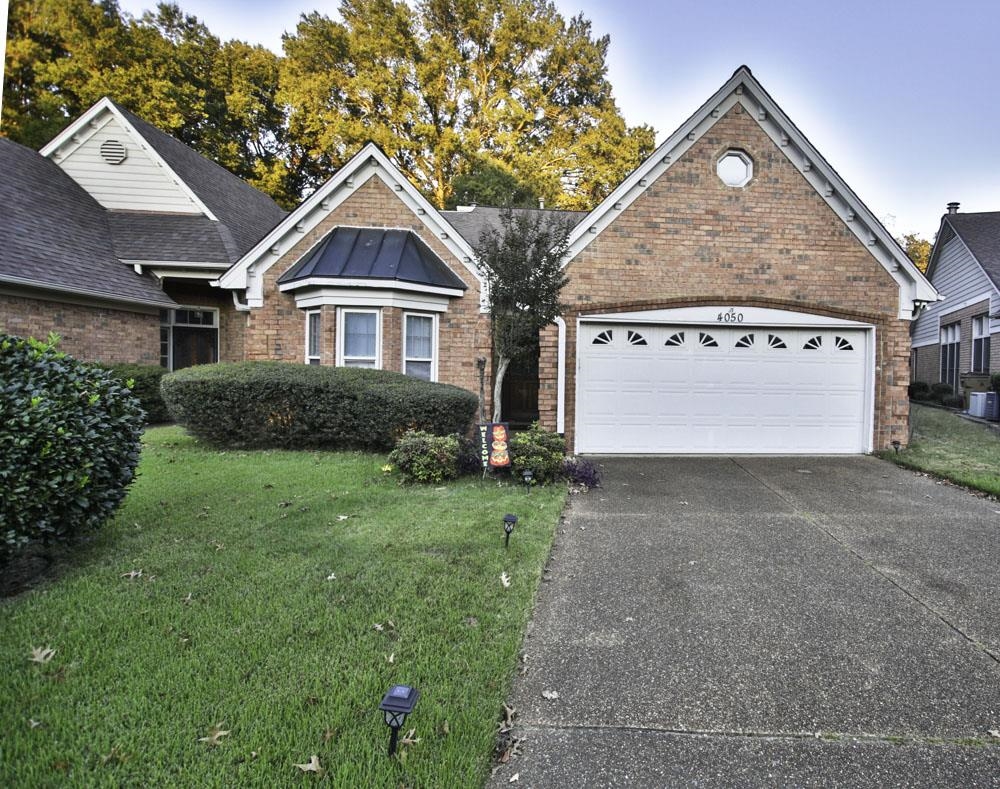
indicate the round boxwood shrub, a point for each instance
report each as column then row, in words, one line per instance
column 69, row 443
column 296, row 406
column 423, row 457
column 145, row 384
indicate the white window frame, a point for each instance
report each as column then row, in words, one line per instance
column 434, row 342
column 171, row 322
column 316, row 358
column 980, row 332
column 950, row 335
column 342, row 335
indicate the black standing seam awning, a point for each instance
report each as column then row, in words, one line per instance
column 373, row 253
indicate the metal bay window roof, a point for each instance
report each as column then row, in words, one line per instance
column 373, row 253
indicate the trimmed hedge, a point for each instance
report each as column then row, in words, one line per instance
column 919, row 390
column 146, row 386
column 296, row 406
column 69, row 444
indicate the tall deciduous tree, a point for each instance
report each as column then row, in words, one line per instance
column 453, row 84
column 917, row 249
column 522, row 263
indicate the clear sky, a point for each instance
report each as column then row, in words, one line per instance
column 902, row 97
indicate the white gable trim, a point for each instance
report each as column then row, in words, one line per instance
column 369, row 162
column 74, row 135
column 742, row 88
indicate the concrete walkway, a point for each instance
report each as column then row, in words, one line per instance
column 765, row 622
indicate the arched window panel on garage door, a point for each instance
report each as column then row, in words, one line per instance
column 634, row 338
column 813, row 343
column 774, row 341
column 707, row 340
column 605, row 337
column 843, row 344
column 675, row 340
column 746, row 341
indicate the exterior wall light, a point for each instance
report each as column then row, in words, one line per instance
column 509, row 521
column 397, row 703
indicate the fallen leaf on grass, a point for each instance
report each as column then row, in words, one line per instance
column 551, row 695
column 444, row 729
column 187, row 600
column 391, row 658
column 41, row 654
column 214, row 736
column 312, row 766
column 132, row 574
column 505, row 580
column 409, row 739
column 329, row 734
column 332, row 577
column 508, row 717
column 343, row 517
column 33, row 724
column 378, row 626
column 994, row 733
column 114, row 756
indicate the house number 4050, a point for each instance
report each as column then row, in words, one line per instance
column 730, row 317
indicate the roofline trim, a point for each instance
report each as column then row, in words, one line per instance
column 956, row 234
column 105, row 104
column 369, row 162
column 362, row 282
column 103, row 295
column 744, row 89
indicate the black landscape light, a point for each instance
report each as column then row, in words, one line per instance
column 528, row 475
column 397, row 704
column 509, row 521
column 896, row 445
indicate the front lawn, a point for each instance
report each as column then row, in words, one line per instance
column 280, row 595
column 956, row 449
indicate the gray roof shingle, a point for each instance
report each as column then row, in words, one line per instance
column 374, row 253
column 248, row 213
column 54, row 235
column 981, row 234
column 171, row 237
column 471, row 223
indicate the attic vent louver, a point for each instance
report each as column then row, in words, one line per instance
column 113, row 151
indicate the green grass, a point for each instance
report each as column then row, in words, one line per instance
column 235, row 621
column 956, row 449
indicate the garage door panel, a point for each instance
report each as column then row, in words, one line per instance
column 808, row 396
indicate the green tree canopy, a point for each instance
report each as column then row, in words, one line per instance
column 452, row 85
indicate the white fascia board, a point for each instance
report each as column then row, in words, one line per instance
column 744, row 89
column 748, row 316
column 368, row 163
column 178, row 264
column 177, row 273
column 385, row 284
column 349, row 297
column 83, row 126
column 952, row 308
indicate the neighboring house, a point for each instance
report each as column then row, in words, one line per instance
column 732, row 295
column 952, row 338
column 111, row 237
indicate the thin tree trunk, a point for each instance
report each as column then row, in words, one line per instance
column 498, row 387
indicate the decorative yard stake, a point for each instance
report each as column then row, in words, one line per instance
column 397, row 703
column 509, row 521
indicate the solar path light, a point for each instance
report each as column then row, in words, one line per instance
column 397, row 703
column 527, row 475
column 509, row 521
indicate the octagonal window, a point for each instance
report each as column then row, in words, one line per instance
column 735, row 168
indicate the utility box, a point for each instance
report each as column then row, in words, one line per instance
column 993, row 406
column 977, row 404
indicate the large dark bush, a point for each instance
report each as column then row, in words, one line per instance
column 145, row 380
column 940, row 391
column 69, row 444
column 283, row 405
column 919, row 390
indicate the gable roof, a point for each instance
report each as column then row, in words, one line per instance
column 240, row 213
column 55, row 236
column 370, row 162
column 373, row 253
column 743, row 88
column 980, row 232
column 471, row 222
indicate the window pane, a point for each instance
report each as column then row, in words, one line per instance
column 314, row 333
column 421, row 370
column 418, row 337
column 359, row 363
column 359, row 334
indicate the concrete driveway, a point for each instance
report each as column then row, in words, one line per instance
column 765, row 622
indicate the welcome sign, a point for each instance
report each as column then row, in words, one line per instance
column 494, row 445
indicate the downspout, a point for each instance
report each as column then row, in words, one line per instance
column 561, row 377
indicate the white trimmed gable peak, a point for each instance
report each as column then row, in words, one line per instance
column 744, row 89
column 370, row 162
column 141, row 181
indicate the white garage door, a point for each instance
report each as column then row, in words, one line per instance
column 721, row 389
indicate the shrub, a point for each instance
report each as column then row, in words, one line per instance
column 69, row 443
column 919, row 390
column 995, row 382
column 539, row 450
column 953, row 401
column 295, row 406
column 580, row 471
column 469, row 459
column 940, row 391
column 422, row 457
column 146, row 386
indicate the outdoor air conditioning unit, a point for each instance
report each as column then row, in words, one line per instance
column 992, row 406
column 977, row 404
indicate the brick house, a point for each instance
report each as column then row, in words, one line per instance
column 732, row 295
column 952, row 338
column 111, row 237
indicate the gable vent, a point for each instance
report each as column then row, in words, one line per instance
column 113, row 151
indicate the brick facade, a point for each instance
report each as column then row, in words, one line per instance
column 690, row 240
column 277, row 330
column 91, row 333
